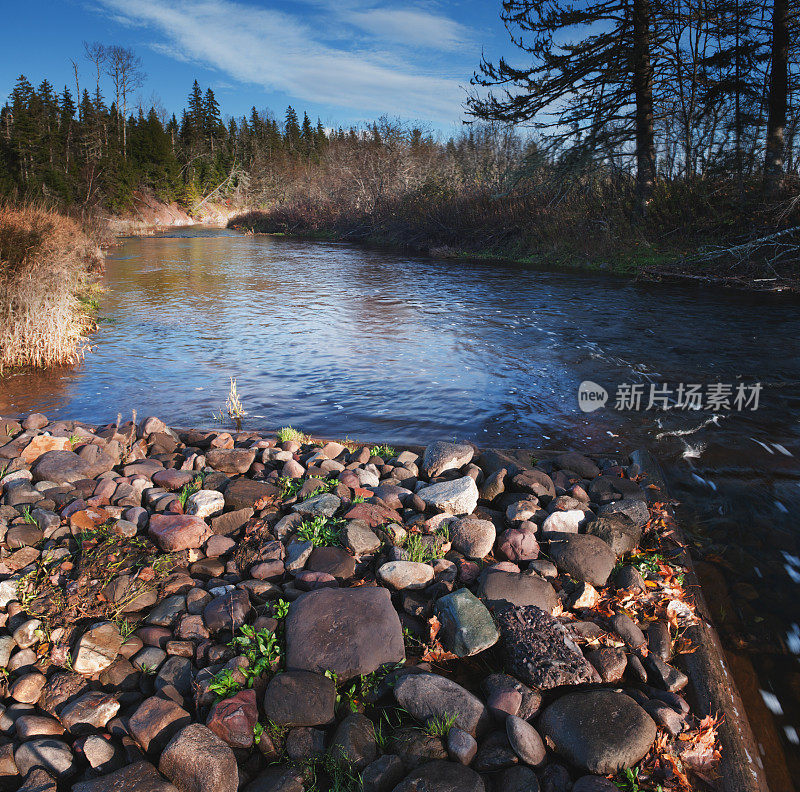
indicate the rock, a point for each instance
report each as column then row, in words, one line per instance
column 663, row 674
column 166, row 612
column 577, row 463
column 62, row 467
column 27, row 688
column 38, row 780
column 517, row 779
column 539, row 651
column 196, row 760
column 633, row 508
column 97, row 648
column 383, row 774
column 629, row 578
column 138, row 777
column 583, row 557
column 494, row 485
column 525, row 741
column 461, row 746
column 568, row 521
column 401, row 575
column 52, row 754
column 300, row 698
column 535, row 482
column 472, row 538
column 205, row 503
column 433, row 696
column 61, row 687
column 277, row 778
column 171, row 479
column 452, row 497
column 155, row 722
column 354, row 741
column 500, row 589
column 89, row 712
column 630, row 632
column 297, row 553
column 227, row 612
column 617, row 531
column 467, row 625
column 29, row 726
column 609, row 661
column 601, row 731
column 373, row 515
column 441, row 456
column 174, row 532
column 416, row 747
column 233, row 719
column 351, row 632
column 243, row 493
column 323, row 505
column 593, row 783
column 333, row 561
column 495, row 753
column 439, row 776
column 304, row 743
column 359, row 538
column 659, row 640
column 234, row 461
column 518, row 544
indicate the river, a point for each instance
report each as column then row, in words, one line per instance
column 343, row 341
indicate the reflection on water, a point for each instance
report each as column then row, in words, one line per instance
column 346, row 341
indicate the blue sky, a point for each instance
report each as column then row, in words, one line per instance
column 344, row 61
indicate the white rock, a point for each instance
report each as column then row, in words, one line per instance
column 564, row 521
column 205, row 503
column 454, row 497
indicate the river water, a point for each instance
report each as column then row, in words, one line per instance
column 378, row 346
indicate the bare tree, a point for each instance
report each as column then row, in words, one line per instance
column 778, row 96
column 96, row 54
column 125, row 69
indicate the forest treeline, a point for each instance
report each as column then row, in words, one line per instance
column 630, row 129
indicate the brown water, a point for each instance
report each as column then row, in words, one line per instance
column 343, row 341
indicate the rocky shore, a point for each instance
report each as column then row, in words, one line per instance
column 207, row 611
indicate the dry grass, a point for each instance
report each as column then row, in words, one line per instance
column 45, row 263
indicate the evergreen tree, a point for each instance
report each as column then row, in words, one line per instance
column 291, row 129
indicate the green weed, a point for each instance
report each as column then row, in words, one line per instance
column 28, row 517
column 261, row 648
column 286, row 433
column 321, row 531
column 188, row 490
column 289, row 487
column 439, row 726
column 383, row 451
column 225, row 684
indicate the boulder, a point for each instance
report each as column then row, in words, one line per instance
column 441, row 456
column 500, row 589
column 175, row 532
column 459, row 496
column 583, row 557
column 441, row 776
column 62, row 467
column 472, row 538
column 300, row 698
column 196, row 760
column 467, row 625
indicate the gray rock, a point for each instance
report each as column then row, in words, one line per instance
column 205, row 503
column 63, row 467
column 568, row 521
column 433, row 696
column 451, row 497
column 517, row 779
column 439, row 776
column 323, row 505
column 401, row 575
column 472, row 537
column 52, row 754
column 300, row 698
column 354, row 741
column 617, row 531
column 383, row 774
column 138, row 777
column 633, row 508
column 500, row 589
column 227, row 612
column 583, row 557
column 441, row 456
column 467, row 625
column 358, row 537
column 97, row 648
column 601, row 731
column 89, row 712
column 525, row 741
column 348, row 631
column 577, row 463
column 539, row 651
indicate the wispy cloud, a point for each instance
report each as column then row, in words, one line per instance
column 329, row 61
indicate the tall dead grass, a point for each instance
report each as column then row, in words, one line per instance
column 46, row 261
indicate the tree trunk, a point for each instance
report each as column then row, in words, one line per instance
column 777, row 101
column 643, row 91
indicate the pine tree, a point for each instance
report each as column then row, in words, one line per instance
column 291, row 129
column 211, row 117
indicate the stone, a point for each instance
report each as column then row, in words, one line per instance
column 62, row 467
column 583, row 557
column 467, row 626
column 176, row 672
column 196, row 760
column 617, row 531
column 633, row 508
column 434, row 696
column 166, row 612
column 137, row 777
column 205, row 503
column 518, row 544
column 568, row 521
column 174, row 532
column 354, row 741
column 539, row 651
column 50, row 753
column 323, row 505
column 89, row 712
column 600, row 731
column 61, row 687
column 459, row 496
column 461, row 745
column 234, row 461
column 373, row 515
column 297, row 553
column 440, row 776
column 171, row 479
column 630, row 632
column 609, row 661
column 402, row 575
column 155, row 721
column 233, row 719
column 442, row 456
column 27, row 688
column 42, row 444
column 494, row 753
column 663, row 674
column 227, row 612
column 38, row 780
column 577, row 463
column 300, row 698
column 414, row 746
column 517, row 779
column 525, row 741
column 659, row 640
column 359, row 538
column 230, row 522
column 500, row 589
column 244, row 493
column 593, row 783
column 333, row 561
column 472, row 538
column 30, row 726
column 97, row 648
column 534, row 482
column 351, row 632
column 383, row 774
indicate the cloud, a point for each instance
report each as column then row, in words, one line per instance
column 281, row 51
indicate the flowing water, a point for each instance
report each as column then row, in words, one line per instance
column 343, row 341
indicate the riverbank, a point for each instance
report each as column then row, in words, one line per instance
column 271, row 612
column 48, row 264
column 703, row 231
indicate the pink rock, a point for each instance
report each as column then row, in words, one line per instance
column 173, row 532
column 171, row 479
column 293, row 469
column 307, row 580
column 267, row 570
column 468, row 571
column 218, row 545
column 504, row 701
column 234, row 719
column 517, row 544
column 504, row 566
